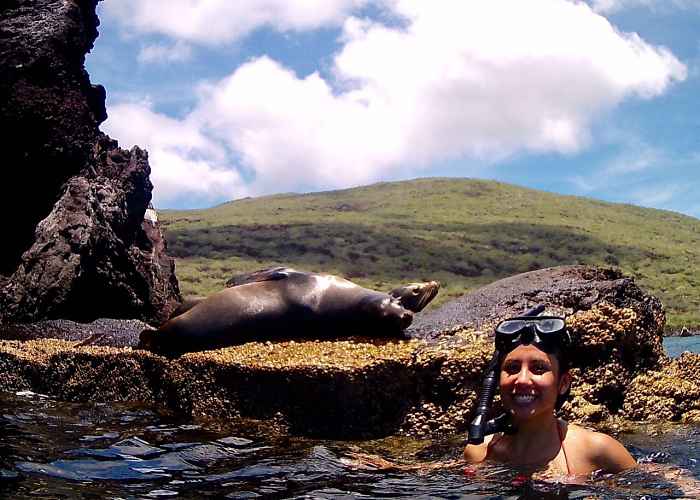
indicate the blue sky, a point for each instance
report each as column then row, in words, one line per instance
column 254, row 97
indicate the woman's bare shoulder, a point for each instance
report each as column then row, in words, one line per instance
column 599, row 449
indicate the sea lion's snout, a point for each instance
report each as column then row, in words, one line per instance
column 415, row 296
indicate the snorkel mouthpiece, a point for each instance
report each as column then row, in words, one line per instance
column 479, row 426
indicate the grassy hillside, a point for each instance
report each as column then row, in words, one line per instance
column 464, row 233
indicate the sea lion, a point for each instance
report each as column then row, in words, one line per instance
column 413, row 296
column 285, row 303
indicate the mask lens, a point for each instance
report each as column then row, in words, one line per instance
column 510, row 327
column 550, row 325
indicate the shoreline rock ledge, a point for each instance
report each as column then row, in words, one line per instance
column 74, row 202
column 359, row 388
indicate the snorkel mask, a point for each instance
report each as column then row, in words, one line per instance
column 547, row 333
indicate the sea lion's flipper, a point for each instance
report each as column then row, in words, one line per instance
column 270, row 274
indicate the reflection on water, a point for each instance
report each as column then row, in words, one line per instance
column 52, row 449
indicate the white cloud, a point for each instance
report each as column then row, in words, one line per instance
column 644, row 175
column 221, row 21
column 584, row 185
column 656, row 196
column 611, row 6
column 461, row 79
column 636, row 159
column 294, row 132
column 164, row 53
column 623, row 169
column 458, row 79
column 616, row 5
column 185, row 164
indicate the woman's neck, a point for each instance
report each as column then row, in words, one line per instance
column 536, row 440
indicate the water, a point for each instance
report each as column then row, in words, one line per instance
column 51, row 449
column 676, row 345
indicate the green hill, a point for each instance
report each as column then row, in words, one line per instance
column 464, row 233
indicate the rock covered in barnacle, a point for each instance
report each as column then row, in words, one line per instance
column 341, row 388
column 360, row 387
column 611, row 346
column 328, row 388
column 448, row 375
column 63, row 370
column 607, row 331
column 349, row 388
column 670, row 393
column 564, row 290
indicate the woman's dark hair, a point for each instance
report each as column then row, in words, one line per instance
column 564, row 365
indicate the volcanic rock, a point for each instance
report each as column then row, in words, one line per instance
column 74, row 201
column 563, row 289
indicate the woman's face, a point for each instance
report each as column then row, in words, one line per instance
column 530, row 382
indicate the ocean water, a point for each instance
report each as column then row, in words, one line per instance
column 676, row 345
column 51, row 449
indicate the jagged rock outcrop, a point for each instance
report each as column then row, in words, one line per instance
column 74, row 201
column 360, row 387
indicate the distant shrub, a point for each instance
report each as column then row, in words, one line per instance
column 612, row 260
column 465, row 269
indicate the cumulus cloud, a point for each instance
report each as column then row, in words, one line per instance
column 611, row 6
column 616, row 5
column 221, row 21
column 480, row 80
column 185, row 164
column 165, row 53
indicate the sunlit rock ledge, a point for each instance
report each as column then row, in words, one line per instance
column 362, row 388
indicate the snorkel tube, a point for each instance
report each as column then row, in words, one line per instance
column 479, row 426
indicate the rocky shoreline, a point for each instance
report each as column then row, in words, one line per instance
column 422, row 386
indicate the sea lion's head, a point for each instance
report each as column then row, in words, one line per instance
column 415, row 296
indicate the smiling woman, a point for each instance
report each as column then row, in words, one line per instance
column 534, row 380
